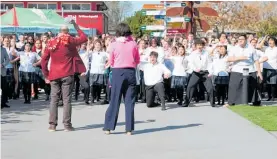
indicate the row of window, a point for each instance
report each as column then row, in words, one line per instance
column 47, row 6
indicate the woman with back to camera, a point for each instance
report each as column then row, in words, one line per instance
column 124, row 58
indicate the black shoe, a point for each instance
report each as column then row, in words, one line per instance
column 47, row 98
column 186, row 104
column 180, row 103
column 87, row 102
column 5, row 106
column 104, row 102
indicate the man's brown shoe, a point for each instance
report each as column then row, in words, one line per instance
column 69, row 128
column 52, row 128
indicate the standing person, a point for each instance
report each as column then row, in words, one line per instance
column 198, row 63
column 20, row 43
column 270, row 67
column 124, row 58
column 28, row 61
column 65, row 62
column 179, row 75
column 4, row 62
column 220, row 71
column 37, row 48
column 47, row 87
column 154, row 47
column 143, row 60
column 153, row 77
column 243, row 57
column 97, row 69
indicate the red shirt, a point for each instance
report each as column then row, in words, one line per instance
column 65, row 60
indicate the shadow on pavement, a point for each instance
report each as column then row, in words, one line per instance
column 151, row 130
column 96, row 126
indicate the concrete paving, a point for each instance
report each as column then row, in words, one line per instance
column 199, row 132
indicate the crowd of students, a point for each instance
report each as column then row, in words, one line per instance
column 169, row 67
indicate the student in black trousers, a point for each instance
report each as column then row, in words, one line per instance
column 199, row 64
column 123, row 64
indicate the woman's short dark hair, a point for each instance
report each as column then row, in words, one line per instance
column 123, row 29
column 154, row 53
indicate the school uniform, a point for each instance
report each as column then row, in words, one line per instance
column 179, row 76
column 153, row 78
column 199, row 60
column 169, row 91
column 220, row 72
column 39, row 78
column 27, row 72
column 98, row 79
column 5, row 59
column 157, row 49
column 270, row 67
column 10, row 73
column 236, row 76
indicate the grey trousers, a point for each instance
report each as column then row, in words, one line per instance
column 64, row 87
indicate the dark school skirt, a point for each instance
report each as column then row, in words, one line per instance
column 270, row 76
column 27, row 77
column 179, row 81
column 221, row 80
column 10, row 75
column 98, row 79
column 235, row 89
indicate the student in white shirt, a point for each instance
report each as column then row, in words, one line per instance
column 262, row 58
column 219, row 69
column 154, row 47
column 143, row 60
column 80, row 79
column 179, row 75
column 270, row 67
column 154, row 74
column 98, row 80
column 198, row 64
column 28, row 61
column 243, row 57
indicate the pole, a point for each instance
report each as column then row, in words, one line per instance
column 62, row 11
column 245, row 86
column 165, row 18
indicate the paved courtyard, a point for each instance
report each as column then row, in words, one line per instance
column 199, row 132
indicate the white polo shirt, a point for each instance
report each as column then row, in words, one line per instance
column 153, row 73
column 249, row 63
column 271, row 54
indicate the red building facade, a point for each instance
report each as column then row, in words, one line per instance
column 87, row 14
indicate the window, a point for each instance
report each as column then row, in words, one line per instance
column 32, row 6
column 19, row 5
column 7, row 5
column 4, row 6
column 52, row 6
column 42, row 6
column 85, row 7
column 66, row 6
column 75, row 6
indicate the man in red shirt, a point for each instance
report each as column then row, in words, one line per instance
column 65, row 62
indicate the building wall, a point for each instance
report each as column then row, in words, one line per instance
column 85, row 18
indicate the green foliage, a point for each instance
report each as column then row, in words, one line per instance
column 268, row 27
column 137, row 21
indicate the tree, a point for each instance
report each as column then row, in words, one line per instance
column 137, row 21
column 268, row 27
column 117, row 12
